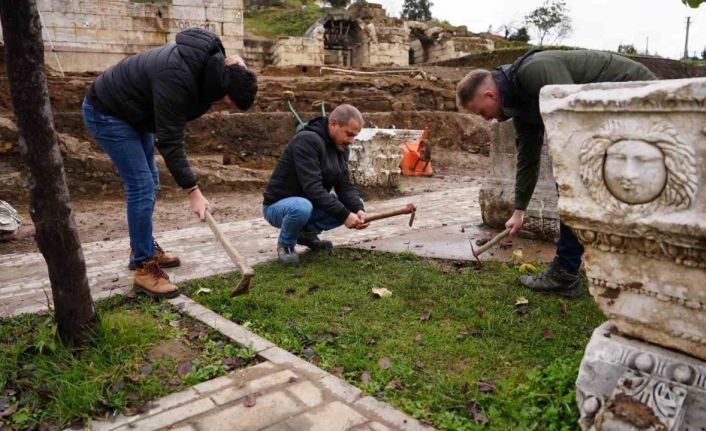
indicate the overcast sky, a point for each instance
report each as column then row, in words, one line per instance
column 599, row 24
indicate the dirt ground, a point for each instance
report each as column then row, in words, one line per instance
column 105, row 219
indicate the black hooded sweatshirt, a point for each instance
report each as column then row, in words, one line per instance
column 159, row 90
column 310, row 167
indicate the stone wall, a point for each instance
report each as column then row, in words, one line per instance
column 292, row 51
column 257, row 52
column 497, row 195
column 90, row 35
column 389, row 45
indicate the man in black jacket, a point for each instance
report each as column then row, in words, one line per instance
column 158, row 91
column 298, row 198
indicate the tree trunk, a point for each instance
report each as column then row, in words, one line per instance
column 50, row 205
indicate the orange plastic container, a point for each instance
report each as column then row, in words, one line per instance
column 416, row 157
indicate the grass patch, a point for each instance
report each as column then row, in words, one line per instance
column 142, row 350
column 450, row 347
column 275, row 22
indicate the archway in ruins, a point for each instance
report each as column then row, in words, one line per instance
column 345, row 43
column 420, row 45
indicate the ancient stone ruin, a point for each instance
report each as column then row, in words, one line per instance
column 628, row 158
column 497, row 195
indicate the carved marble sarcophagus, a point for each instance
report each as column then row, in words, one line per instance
column 629, row 161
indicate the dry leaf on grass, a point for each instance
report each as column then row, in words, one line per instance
column 381, row 292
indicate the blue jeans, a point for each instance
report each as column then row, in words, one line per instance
column 132, row 153
column 568, row 250
column 292, row 215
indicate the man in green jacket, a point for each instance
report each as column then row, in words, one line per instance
column 512, row 91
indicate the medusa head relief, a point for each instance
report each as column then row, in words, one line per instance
column 629, row 171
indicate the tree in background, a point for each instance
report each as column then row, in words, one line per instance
column 627, row 49
column 339, row 4
column 693, row 3
column 50, row 205
column 551, row 21
column 417, row 10
column 520, row 35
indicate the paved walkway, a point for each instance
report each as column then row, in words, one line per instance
column 24, row 284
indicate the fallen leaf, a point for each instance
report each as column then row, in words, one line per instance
column 381, row 292
column 174, row 323
column 472, row 408
column 298, row 275
column 460, row 337
column 528, row 267
column 481, row 312
column 564, row 309
column 8, row 411
column 313, row 288
column 425, row 316
column 290, row 291
column 174, row 381
column 132, row 396
column 384, row 363
column 346, row 310
column 134, row 377
column 232, row 362
column 250, row 401
column 365, row 377
column 369, row 355
column 309, row 352
column 419, row 365
column 337, row 371
column 203, row 290
column 116, row 387
column 371, row 341
column 486, row 386
column 517, row 255
column 476, row 332
column 184, row 368
column 293, row 379
column 521, row 300
column 418, row 338
column 395, row 385
column 547, row 334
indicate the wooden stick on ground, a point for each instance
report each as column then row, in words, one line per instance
column 245, row 270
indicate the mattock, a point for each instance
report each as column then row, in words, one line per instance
column 482, row 249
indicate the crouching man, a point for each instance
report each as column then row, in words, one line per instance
column 298, row 198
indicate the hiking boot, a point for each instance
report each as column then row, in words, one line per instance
column 312, row 240
column 556, row 280
column 287, row 255
column 165, row 260
column 152, row 281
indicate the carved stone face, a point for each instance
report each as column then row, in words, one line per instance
column 634, row 171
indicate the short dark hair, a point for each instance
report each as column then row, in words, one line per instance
column 468, row 86
column 345, row 113
column 241, row 86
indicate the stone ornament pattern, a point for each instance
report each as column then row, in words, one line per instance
column 653, row 245
column 647, row 374
column 638, row 173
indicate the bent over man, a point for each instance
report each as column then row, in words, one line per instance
column 158, row 91
column 512, row 91
column 298, row 198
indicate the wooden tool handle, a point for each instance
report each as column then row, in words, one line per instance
column 245, row 269
column 408, row 209
column 482, row 249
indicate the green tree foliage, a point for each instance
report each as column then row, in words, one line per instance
column 417, row 10
column 627, row 49
column 693, row 3
column 550, row 21
column 339, row 4
column 520, row 35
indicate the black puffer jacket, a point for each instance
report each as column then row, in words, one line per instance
column 310, row 167
column 161, row 89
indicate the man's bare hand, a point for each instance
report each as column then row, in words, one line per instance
column 198, row 203
column 235, row 59
column 516, row 221
column 362, row 215
column 352, row 221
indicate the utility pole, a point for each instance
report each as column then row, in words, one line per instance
column 647, row 46
column 686, row 41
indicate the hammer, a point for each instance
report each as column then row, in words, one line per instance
column 245, row 270
column 407, row 209
column 482, row 249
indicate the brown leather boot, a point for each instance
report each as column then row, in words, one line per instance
column 165, row 260
column 152, row 281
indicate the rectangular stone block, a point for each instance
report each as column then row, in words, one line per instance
column 307, row 393
column 268, row 409
column 230, row 394
column 170, row 417
column 334, row 416
column 190, row 13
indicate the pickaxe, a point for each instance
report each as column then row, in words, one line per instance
column 482, row 249
column 246, row 271
column 408, row 209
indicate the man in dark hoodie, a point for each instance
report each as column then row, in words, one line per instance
column 512, row 91
column 158, row 91
column 298, row 198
